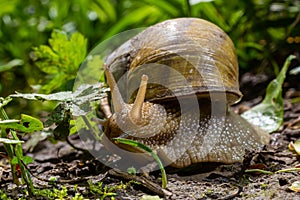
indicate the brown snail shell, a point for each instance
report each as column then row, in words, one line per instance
column 180, row 58
column 200, row 51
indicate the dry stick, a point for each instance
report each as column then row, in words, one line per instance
column 114, row 172
column 145, row 182
column 231, row 196
column 74, row 147
column 75, row 180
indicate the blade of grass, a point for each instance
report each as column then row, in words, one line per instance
column 258, row 170
column 154, row 155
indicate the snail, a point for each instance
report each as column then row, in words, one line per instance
column 172, row 86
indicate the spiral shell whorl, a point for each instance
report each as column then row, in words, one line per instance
column 199, row 50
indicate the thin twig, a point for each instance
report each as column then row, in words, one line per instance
column 74, row 147
column 231, row 196
column 144, row 181
column 74, row 180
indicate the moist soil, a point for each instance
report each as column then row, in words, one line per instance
column 77, row 170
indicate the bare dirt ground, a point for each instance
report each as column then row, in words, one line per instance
column 206, row 181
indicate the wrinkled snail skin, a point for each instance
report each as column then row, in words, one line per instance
column 177, row 61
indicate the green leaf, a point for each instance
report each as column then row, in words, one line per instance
column 7, row 6
column 79, row 101
column 212, row 13
column 26, row 124
column 131, row 170
column 55, row 83
column 10, row 65
column 62, row 57
column 14, row 160
column 46, row 59
column 166, row 6
column 27, row 159
column 59, row 96
column 268, row 115
column 58, row 114
column 154, row 155
column 105, row 10
column 52, row 178
column 9, row 141
column 130, row 19
column 61, row 132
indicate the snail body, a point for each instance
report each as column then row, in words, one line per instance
column 178, row 79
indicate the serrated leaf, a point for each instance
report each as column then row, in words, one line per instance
column 61, row 58
column 59, row 96
column 26, row 124
column 79, row 101
column 268, row 115
column 9, row 141
column 64, row 55
column 47, row 60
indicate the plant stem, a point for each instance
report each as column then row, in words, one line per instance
column 154, row 155
column 16, row 151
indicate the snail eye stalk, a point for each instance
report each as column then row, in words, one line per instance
column 135, row 113
column 118, row 102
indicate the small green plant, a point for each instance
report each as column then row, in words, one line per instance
column 105, row 191
column 78, row 196
column 61, row 59
column 13, row 145
column 268, row 115
column 263, row 186
column 101, row 190
column 131, row 170
column 95, row 189
column 52, row 193
column 3, row 196
column 147, row 149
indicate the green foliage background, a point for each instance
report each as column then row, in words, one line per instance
column 264, row 31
